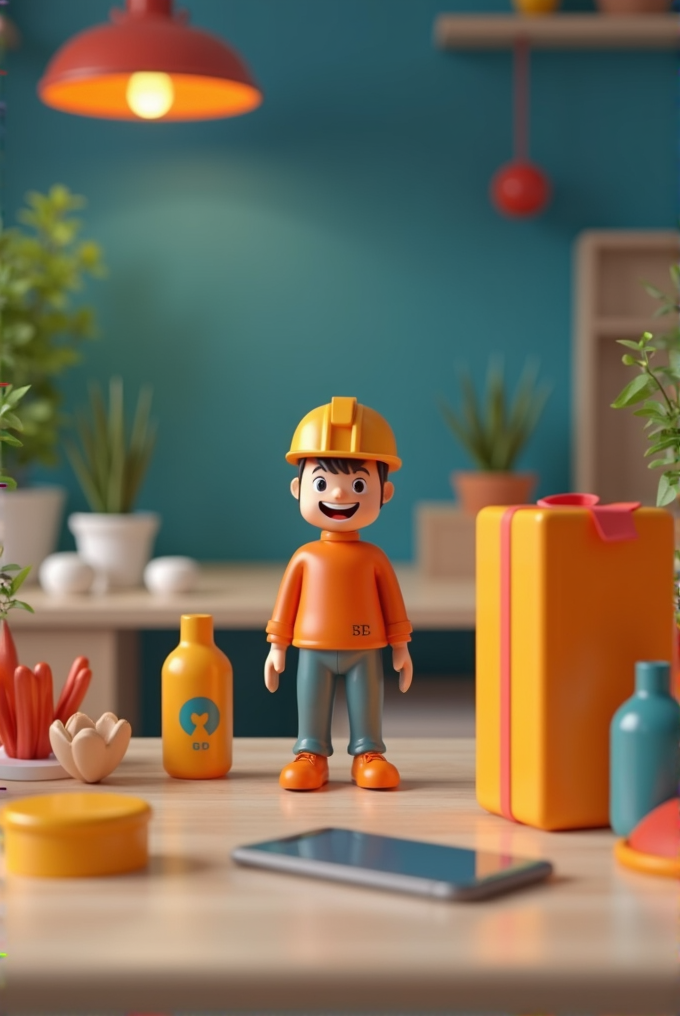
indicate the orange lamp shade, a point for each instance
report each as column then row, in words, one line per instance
column 148, row 65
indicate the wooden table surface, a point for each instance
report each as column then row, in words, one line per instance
column 196, row 933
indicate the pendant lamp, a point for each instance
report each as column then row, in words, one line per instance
column 148, row 64
column 521, row 189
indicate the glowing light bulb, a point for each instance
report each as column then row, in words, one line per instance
column 150, row 94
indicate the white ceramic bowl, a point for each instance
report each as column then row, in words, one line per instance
column 171, row 575
column 66, row 573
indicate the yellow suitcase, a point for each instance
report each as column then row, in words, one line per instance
column 570, row 594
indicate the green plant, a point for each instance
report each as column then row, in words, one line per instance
column 42, row 267
column 109, row 468
column 494, row 431
column 657, row 388
column 9, row 586
column 9, row 400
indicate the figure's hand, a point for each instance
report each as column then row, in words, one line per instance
column 402, row 662
column 275, row 664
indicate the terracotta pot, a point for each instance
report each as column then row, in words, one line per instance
column 634, row 6
column 478, row 490
column 536, row 6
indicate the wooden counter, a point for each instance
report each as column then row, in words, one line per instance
column 104, row 627
column 195, row 933
column 238, row 596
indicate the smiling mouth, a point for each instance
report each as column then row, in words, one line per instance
column 338, row 511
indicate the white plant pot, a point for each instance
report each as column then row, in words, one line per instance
column 117, row 546
column 30, row 520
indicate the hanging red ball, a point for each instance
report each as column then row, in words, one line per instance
column 520, row 189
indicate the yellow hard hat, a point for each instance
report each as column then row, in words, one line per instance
column 344, row 429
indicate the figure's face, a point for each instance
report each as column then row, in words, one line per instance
column 337, row 501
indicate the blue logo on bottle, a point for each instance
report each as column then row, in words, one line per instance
column 199, row 717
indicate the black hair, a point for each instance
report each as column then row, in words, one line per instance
column 347, row 466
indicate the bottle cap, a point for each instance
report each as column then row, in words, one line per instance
column 653, row 676
column 197, row 628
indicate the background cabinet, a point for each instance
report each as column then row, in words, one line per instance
column 611, row 303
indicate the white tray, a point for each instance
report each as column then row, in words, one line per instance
column 30, row 768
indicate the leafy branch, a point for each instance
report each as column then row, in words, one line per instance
column 9, row 400
column 43, row 266
column 656, row 392
column 10, row 585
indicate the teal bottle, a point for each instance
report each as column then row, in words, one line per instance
column 644, row 748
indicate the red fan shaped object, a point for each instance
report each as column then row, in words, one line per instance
column 26, row 705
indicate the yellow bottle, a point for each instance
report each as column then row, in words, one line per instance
column 197, row 708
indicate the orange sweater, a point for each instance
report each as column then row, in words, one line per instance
column 338, row 593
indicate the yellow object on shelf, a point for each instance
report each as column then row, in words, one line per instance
column 536, row 6
column 76, row 835
column 565, row 608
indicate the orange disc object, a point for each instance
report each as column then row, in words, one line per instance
column 654, row 845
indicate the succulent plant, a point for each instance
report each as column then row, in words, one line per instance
column 494, row 429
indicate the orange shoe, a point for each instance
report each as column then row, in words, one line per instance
column 372, row 771
column 307, row 772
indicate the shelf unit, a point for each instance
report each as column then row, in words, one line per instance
column 558, row 31
column 611, row 303
column 445, row 541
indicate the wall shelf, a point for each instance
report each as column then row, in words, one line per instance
column 558, row 31
column 616, row 327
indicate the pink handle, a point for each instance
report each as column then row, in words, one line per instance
column 613, row 522
column 577, row 500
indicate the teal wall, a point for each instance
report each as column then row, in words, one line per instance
column 337, row 241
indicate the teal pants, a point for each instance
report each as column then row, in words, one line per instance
column 318, row 671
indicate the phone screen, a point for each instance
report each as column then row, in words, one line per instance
column 454, row 865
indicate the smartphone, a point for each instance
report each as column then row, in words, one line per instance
column 409, row 866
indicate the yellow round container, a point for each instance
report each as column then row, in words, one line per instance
column 76, row 835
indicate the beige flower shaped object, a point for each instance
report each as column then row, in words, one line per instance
column 89, row 751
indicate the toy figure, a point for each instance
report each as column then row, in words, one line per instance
column 339, row 601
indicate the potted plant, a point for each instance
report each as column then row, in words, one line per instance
column 493, row 432
column 42, row 267
column 110, row 468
